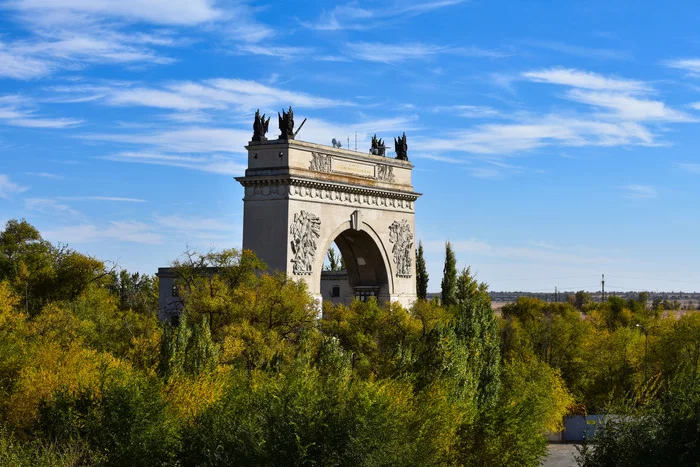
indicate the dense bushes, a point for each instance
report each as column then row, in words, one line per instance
column 251, row 376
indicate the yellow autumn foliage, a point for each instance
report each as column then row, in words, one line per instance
column 8, row 301
column 52, row 367
column 189, row 396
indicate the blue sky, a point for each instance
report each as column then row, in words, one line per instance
column 553, row 141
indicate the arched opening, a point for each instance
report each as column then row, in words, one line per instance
column 361, row 274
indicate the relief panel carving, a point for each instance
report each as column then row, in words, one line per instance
column 385, row 173
column 402, row 238
column 320, row 162
column 305, row 230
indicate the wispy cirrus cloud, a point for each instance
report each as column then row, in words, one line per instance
column 46, row 175
column 51, row 12
column 639, row 192
column 469, row 111
column 620, row 107
column 118, row 199
column 51, row 207
column 507, row 139
column 585, row 80
column 21, row 66
column 218, row 164
column 631, row 108
column 70, row 34
column 689, row 65
column 20, row 112
column 122, row 231
column 9, row 188
column 400, row 52
column 625, row 99
column 350, row 16
column 200, row 140
column 49, row 51
column 579, row 51
column 243, row 96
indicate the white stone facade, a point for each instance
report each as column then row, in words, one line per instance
column 301, row 197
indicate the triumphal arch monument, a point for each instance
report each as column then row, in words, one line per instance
column 302, row 197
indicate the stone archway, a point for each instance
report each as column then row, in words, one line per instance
column 368, row 271
column 301, row 197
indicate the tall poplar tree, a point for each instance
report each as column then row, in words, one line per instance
column 421, row 273
column 449, row 277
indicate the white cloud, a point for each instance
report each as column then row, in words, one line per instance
column 620, row 109
column 16, row 111
column 18, row 65
column 68, row 34
column 102, row 198
column 9, row 188
column 392, row 53
column 285, row 52
column 243, row 96
column 182, row 140
column 46, row 175
column 396, row 53
column 200, row 225
column 50, row 207
column 639, row 192
column 629, row 107
column 510, row 138
column 691, row 65
column 469, row 111
column 579, row 51
column 585, row 80
column 63, row 48
column 217, row 164
column 167, row 12
column 352, row 17
column 124, row 231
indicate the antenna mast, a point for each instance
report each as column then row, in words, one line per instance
column 602, row 286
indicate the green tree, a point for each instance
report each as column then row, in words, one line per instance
column 421, row 273
column 476, row 327
column 335, row 261
column 449, row 277
column 580, row 299
column 664, row 431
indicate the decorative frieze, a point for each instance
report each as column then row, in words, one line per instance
column 305, row 230
column 320, row 162
column 402, row 238
column 263, row 190
column 385, row 173
column 328, row 164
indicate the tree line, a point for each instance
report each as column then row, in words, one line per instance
column 252, row 376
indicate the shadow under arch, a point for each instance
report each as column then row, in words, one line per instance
column 365, row 257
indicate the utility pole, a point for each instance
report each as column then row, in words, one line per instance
column 26, row 296
column 355, row 141
column 602, row 286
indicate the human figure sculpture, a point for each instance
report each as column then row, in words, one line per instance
column 286, row 122
column 378, row 148
column 401, row 147
column 260, row 127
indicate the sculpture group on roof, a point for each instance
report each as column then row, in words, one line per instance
column 286, row 125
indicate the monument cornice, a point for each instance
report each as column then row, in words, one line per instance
column 293, row 181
